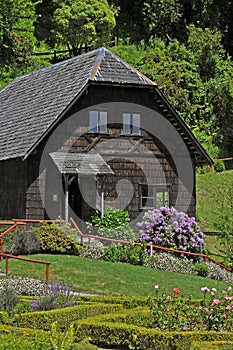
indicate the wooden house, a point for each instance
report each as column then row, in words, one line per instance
column 89, row 132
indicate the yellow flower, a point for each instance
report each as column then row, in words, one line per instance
column 6, row 330
column 25, row 333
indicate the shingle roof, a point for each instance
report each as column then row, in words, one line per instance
column 32, row 103
column 81, row 163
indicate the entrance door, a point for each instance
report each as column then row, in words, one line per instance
column 75, row 198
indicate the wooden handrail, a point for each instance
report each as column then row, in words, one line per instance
column 151, row 246
column 12, row 227
column 8, row 256
column 21, row 221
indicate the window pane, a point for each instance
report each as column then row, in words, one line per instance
column 162, row 198
column 103, row 122
column 159, row 199
column 166, row 198
column 126, row 123
column 144, row 190
column 150, row 191
column 136, row 124
column 149, row 203
column 143, row 202
column 94, row 121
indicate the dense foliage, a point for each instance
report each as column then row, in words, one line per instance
column 185, row 46
column 113, row 224
column 166, row 227
column 54, row 238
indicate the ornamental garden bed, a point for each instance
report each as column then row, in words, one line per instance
column 128, row 323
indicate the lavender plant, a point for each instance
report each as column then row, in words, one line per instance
column 166, row 227
column 56, row 295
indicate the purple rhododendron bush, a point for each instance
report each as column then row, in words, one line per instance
column 166, row 227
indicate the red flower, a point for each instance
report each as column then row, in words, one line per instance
column 176, row 290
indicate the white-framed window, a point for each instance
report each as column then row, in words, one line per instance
column 131, row 123
column 98, row 121
column 153, row 196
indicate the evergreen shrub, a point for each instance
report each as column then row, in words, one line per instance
column 56, row 238
column 219, row 165
column 114, row 224
column 21, row 243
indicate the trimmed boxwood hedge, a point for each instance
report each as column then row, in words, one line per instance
column 44, row 319
column 115, row 334
column 112, row 322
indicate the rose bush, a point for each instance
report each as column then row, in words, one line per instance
column 172, row 312
column 166, row 227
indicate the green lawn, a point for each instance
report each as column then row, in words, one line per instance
column 213, row 204
column 101, row 277
column 211, row 197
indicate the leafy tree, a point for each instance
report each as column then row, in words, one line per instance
column 160, row 18
column 197, row 79
column 16, row 20
column 76, row 23
column 17, row 40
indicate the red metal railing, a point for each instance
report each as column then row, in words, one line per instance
column 151, row 246
column 46, row 263
column 14, row 226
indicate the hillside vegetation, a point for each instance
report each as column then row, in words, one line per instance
column 214, row 195
column 215, row 212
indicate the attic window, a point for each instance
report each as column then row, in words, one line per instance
column 153, row 196
column 98, row 121
column 131, row 123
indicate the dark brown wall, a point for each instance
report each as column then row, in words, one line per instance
column 13, row 175
column 20, row 191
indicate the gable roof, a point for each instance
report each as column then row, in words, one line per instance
column 33, row 103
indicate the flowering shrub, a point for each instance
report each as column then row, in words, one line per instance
column 173, row 312
column 23, row 285
column 56, row 295
column 169, row 262
column 95, row 250
column 166, row 227
column 218, row 273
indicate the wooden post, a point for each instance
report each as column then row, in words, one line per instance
column 151, row 250
column 1, row 248
column 66, row 198
column 7, row 266
column 102, row 204
column 47, row 273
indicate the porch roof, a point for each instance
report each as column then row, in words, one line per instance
column 74, row 163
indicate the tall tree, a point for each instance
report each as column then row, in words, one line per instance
column 198, row 81
column 17, row 40
column 75, row 23
column 160, row 18
column 16, row 29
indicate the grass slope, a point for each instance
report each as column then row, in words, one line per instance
column 101, row 277
column 213, row 203
column 211, row 194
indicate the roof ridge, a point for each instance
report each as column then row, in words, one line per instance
column 102, row 52
column 97, row 64
column 51, row 66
